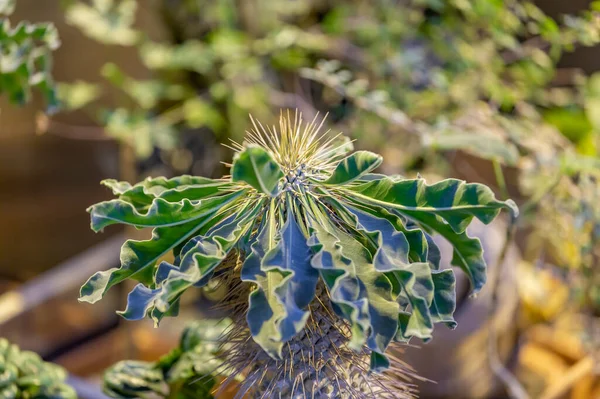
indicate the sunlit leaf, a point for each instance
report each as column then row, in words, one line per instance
column 286, row 283
column 256, row 167
column 354, row 167
column 362, row 295
column 455, row 201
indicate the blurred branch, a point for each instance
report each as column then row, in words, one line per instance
column 394, row 116
column 513, row 387
column 534, row 43
column 46, row 125
column 500, row 179
column 66, row 276
column 291, row 100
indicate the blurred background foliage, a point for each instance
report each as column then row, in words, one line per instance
column 469, row 88
column 26, row 58
column 23, row 374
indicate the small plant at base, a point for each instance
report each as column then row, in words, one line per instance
column 184, row 373
column 23, row 374
column 327, row 262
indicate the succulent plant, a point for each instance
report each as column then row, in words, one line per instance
column 24, row 375
column 327, row 262
column 185, row 372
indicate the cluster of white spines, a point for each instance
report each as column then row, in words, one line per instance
column 300, row 148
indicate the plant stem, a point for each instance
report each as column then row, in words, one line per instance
column 513, row 387
column 500, row 179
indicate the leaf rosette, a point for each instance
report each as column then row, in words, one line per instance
column 299, row 210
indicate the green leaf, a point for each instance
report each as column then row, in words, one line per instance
column 487, row 146
column 105, row 21
column 77, row 95
column 467, row 252
column 161, row 212
column 199, row 258
column 138, row 259
column 413, row 278
column 255, row 166
column 417, row 289
column 360, row 293
column 176, row 189
column 280, row 267
column 134, row 379
column 23, row 374
column 433, row 208
column 26, row 54
column 141, row 129
column 455, row 201
column 422, row 248
column 443, row 304
column 354, row 167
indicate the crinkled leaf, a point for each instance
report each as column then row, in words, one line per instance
column 354, row 167
column 446, row 208
column 286, row 283
column 392, row 245
column 466, row 253
column 199, row 258
column 138, row 258
column 414, row 279
column 455, row 201
column 255, row 166
column 172, row 190
column 417, row 291
column 422, row 248
column 444, row 297
column 134, row 379
column 161, row 212
column 360, row 293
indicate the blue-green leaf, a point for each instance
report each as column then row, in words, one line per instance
column 255, row 166
column 354, row 167
column 444, row 297
column 360, row 293
column 138, row 258
column 466, row 251
column 417, row 291
column 414, row 279
column 286, row 283
column 199, row 258
column 422, row 248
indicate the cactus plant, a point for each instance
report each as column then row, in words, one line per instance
column 327, row 262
